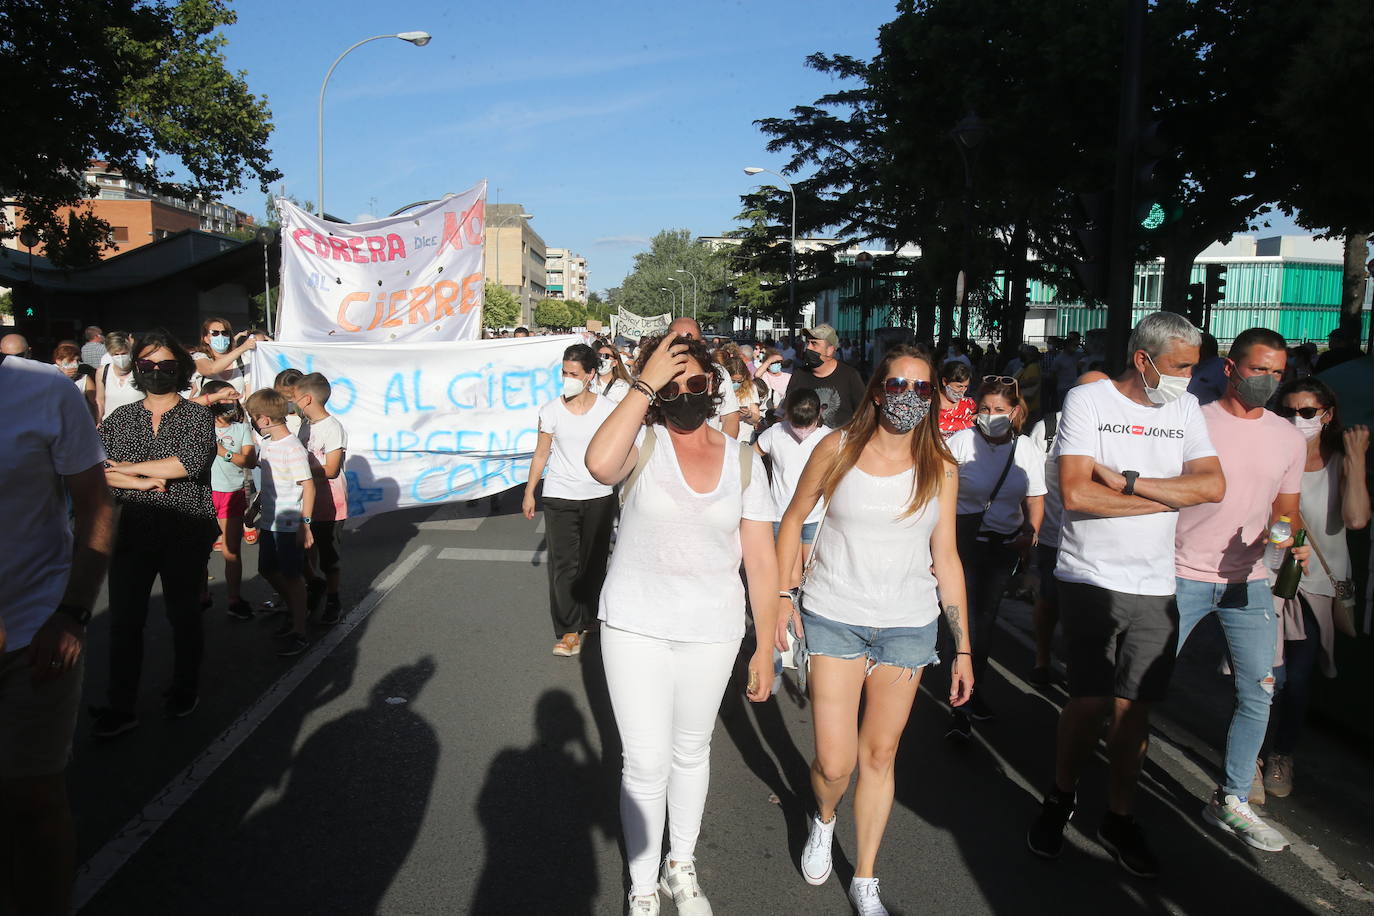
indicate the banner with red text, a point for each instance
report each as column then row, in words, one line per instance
column 414, row 278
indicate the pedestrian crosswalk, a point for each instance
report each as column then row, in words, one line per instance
column 488, row 554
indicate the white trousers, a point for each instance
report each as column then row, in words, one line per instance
column 665, row 695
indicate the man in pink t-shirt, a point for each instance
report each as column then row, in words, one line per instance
column 1220, row 561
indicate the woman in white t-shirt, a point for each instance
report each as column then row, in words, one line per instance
column 787, row 446
column 1001, row 507
column 221, row 355
column 870, row 605
column 67, row 358
column 673, row 609
column 579, row 512
column 114, row 380
column 750, row 404
column 612, row 379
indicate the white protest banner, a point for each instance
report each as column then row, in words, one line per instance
column 633, row 326
column 413, row 278
column 430, row 423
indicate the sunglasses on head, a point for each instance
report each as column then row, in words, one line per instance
column 148, row 365
column 692, row 384
column 1306, row 413
column 1004, row 379
column 897, row 385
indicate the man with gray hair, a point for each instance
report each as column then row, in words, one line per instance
column 1131, row 452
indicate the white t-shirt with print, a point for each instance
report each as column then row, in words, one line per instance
column 980, row 466
column 1133, row 555
column 566, row 475
column 674, row 573
column 788, row 457
column 321, row 437
column 285, row 465
column 46, row 433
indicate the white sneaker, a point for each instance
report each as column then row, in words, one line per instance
column 644, row 905
column 679, row 881
column 1230, row 813
column 815, row 857
column 863, row 893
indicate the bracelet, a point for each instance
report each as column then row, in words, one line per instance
column 957, row 654
column 643, row 388
column 786, row 594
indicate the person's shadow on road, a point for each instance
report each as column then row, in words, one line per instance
column 538, row 808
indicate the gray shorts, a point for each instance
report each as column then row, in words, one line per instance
column 36, row 720
column 1119, row 645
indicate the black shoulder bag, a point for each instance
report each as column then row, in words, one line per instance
column 970, row 526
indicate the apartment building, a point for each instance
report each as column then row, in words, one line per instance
column 516, row 256
column 567, row 274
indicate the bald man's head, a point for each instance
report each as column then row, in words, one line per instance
column 685, row 327
column 14, row 345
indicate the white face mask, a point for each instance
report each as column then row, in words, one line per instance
column 1171, row 387
column 606, row 365
column 994, row 425
column 572, row 387
column 1310, row 429
column 122, row 362
column 70, row 367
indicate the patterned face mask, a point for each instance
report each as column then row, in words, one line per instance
column 905, row 410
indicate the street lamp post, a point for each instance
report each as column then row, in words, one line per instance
column 791, row 254
column 683, row 308
column 672, row 298
column 968, row 135
column 419, row 39
column 681, row 270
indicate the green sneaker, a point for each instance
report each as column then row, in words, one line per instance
column 1231, row 814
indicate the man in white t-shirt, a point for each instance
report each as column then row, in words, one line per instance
column 726, row 417
column 1132, row 451
column 51, row 579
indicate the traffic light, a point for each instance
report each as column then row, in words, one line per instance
column 1216, row 283
column 1092, row 229
column 1155, row 204
column 1196, row 292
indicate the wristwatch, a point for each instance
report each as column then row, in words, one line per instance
column 1131, row 477
column 307, row 519
column 82, row 615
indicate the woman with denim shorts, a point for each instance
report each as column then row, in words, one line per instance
column 868, row 618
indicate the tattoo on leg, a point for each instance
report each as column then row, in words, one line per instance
column 955, row 630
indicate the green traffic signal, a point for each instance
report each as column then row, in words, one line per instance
column 1155, row 217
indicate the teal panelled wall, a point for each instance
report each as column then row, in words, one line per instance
column 1296, row 323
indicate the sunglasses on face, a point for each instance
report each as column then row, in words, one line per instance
column 692, row 384
column 1306, row 413
column 148, row 365
column 218, row 333
column 898, row 385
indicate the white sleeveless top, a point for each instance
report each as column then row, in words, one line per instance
column 872, row 566
column 118, row 391
column 1320, row 502
column 674, row 573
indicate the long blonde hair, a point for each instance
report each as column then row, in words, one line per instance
column 929, row 454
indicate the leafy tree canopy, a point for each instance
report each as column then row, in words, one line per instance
column 129, row 83
column 551, row 313
column 671, row 250
column 500, row 308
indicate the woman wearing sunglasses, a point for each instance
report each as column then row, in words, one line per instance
column 160, row 449
column 672, row 607
column 869, row 610
column 1001, row 506
column 220, row 355
column 1334, row 498
column 612, row 379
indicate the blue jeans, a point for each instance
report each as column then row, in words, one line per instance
column 1246, row 611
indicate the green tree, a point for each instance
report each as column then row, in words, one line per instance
column 500, row 308
column 672, row 250
column 551, row 313
column 598, row 308
column 577, row 312
column 126, row 82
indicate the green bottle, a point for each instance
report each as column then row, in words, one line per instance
column 1290, row 573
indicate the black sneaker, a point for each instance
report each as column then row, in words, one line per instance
column 294, row 646
column 1122, row 837
column 1046, row 835
column 314, row 593
column 333, row 610
column 179, row 705
column 960, row 728
column 240, row 610
column 978, row 710
column 111, row 723
column 286, row 629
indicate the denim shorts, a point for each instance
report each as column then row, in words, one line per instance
column 900, row 647
column 808, row 532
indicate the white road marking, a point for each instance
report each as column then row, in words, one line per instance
column 113, row 856
column 535, row 557
column 453, row 524
column 539, row 528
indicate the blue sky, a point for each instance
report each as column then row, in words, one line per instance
column 608, row 121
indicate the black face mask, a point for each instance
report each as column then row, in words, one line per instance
column 809, row 359
column 157, row 382
column 688, row 411
column 225, row 409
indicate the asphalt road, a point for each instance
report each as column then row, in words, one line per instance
column 431, row 756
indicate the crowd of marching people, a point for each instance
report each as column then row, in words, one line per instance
column 865, row 511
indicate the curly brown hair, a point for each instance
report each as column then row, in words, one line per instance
column 697, row 350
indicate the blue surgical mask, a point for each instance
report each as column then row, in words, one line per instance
column 219, row 343
column 775, row 368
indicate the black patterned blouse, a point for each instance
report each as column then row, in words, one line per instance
column 187, row 432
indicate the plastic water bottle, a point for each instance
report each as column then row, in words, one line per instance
column 1281, row 531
